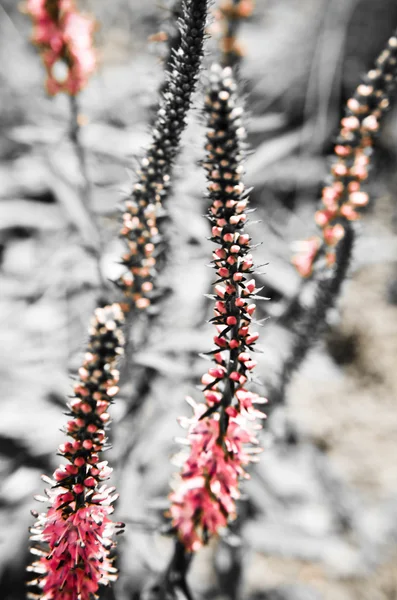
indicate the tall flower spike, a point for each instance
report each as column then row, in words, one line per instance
column 343, row 197
column 64, row 38
column 154, row 175
column 204, row 498
column 74, row 537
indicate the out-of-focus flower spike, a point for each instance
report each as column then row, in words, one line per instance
column 64, row 38
column 351, row 160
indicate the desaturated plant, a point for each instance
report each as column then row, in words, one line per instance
column 73, row 539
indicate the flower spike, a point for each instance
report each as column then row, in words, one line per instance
column 140, row 229
column 64, row 38
column 73, row 539
column 204, row 498
column 343, row 198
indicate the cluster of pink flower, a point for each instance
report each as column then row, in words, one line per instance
column 204, row 498
column 353, row 149
column 78, row 562
column 204, row 501
column 76, row 530
column 64, row 37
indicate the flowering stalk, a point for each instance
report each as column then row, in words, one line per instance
column 64, row 38
column 204, row 499
column 73, row 539
column 343, row 197
column 140, row 228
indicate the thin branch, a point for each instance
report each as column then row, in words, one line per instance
column 85, row 190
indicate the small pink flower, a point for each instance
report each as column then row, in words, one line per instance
column 332, row 235
column 36, row 8
column 304, row 261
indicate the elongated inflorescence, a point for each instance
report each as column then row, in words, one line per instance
column 73, row 538
column 140, row 228
column 343, row 197
column 204, row 497
column 64, row 38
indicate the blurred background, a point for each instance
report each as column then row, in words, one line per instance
column 319, row 515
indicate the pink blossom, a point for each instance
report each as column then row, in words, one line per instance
column 63, row 35
column 204, row 501
column 79, row 541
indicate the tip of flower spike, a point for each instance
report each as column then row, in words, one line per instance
column 64, row 40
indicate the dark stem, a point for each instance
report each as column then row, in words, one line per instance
column 80, row 153
column 229, row 59
column 85, row 189
column 228, row 392
column 313, row 323
column 176, row 573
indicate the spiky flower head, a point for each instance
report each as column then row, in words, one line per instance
column 74, row 537
column 222, row 431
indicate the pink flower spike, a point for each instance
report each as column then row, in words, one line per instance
column 75, row 533
column 203, row 500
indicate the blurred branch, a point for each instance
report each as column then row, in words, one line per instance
column 312, row 322
column 85, row 189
